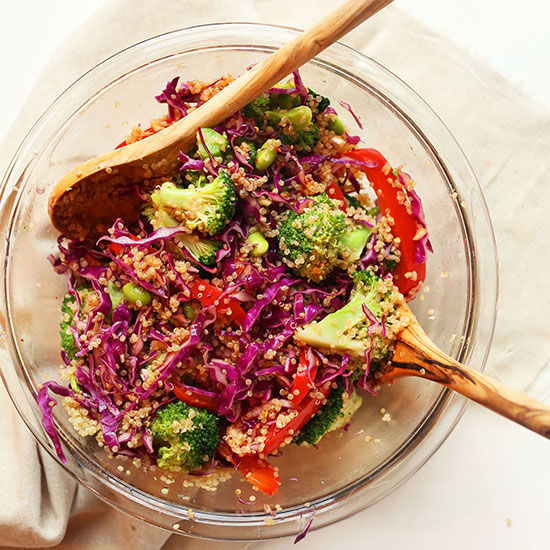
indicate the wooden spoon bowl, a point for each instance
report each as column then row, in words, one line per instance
column 416, row 355
column 93, row 195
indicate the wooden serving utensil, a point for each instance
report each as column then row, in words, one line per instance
column 416, row 355
column 92, row 196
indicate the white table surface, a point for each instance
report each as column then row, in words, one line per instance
column 487, row 487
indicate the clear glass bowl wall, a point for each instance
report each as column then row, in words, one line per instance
column 456, row 308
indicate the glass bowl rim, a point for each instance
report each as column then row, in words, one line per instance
column 323, row 503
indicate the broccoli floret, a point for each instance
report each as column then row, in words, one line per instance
column 67, row 318
column 309, row 242
column 252, row 152
column 316, row 241
column 287, row 101
column 203, row 250
column 208, row 208
column 198, row 179
column 355, row 202
column 324, row 102
column 348, row 330
column 284, row 101
column 390, row 265
column 256, row 109
column 334, row 414
column 186, row 437
column 353, row 243
column 303, row 140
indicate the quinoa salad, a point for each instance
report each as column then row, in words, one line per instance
column 254, row 302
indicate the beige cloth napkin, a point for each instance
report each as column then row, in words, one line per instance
column 505, row 136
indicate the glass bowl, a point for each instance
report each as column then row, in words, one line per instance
column 457, row 306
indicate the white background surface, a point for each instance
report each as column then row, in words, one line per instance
column 488, row 486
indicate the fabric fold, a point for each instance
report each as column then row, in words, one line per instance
column 504, row 134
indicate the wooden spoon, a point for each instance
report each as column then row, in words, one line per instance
column 416, row 355
column 92, row 196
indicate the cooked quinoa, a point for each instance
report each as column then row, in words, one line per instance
column 254, row 298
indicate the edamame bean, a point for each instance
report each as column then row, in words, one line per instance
column 336, row 126
column 189, row 311
column 266, row 154
column 135, row 294
column 259, row 244
column 374, row 211
column 265, row 158
column 215, row 143
column 300, row 117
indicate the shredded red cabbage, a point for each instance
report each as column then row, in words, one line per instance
column 302, row 534
column 175, row 97
column 348, row 108
column 423, row 245
column 127, row 356
column 46, row 403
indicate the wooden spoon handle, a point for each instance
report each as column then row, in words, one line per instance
column 90, row 197
column 274, row 68
column 416, row 355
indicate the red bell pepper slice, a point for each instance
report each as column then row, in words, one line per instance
column 302, row 379
column 257, row 471
column 307, row 408
column 207, row 295
column 195, row 399
column 115, row 248
column 334, row 192
column 146, row 133
column 390, row 198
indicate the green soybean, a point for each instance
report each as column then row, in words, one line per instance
column 265, row 158
column 300, row 117
column 135, row 294
column 74, row 384
column 266, row 155
column 374, row 211
column 189, row 311
column 259, row 245
column 336, row 126
column 215, row 143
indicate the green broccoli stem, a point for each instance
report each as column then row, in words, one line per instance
column 354, row 242
column 330, row 332
column 170, row 195
column 332, row 327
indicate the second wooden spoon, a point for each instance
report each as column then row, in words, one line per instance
column 416, row 355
